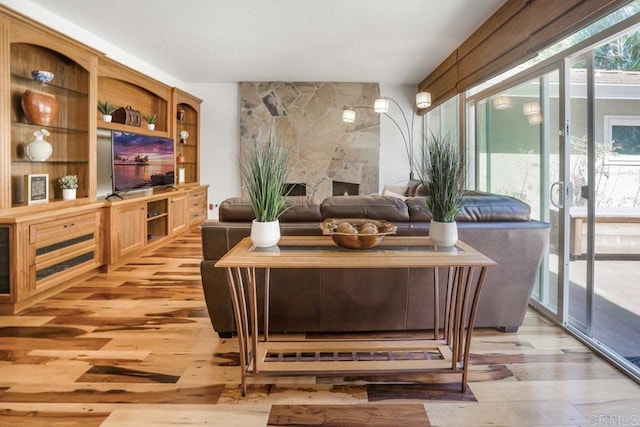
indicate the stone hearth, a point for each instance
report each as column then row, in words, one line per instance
column 308, row 118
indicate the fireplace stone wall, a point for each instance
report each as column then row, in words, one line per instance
column 307, row 117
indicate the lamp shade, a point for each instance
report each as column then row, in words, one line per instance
column 502, row 102
column 531, row 108
column 381, row 105
column 348, row 115
column 423, row 99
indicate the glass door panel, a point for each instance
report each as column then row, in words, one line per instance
column 578, row 110
column 518, row 155
column 616, row 227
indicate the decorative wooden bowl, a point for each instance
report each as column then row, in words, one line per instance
column 357, row 233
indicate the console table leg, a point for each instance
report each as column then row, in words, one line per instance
column 234, row 290
column 436, row 304
column 472, row 319
column 267, row 274
column 253, row 315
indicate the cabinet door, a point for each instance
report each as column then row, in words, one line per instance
column 197, row 206
column 129, row 231
column 178, row 213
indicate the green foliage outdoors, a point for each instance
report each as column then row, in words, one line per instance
column 263, row 170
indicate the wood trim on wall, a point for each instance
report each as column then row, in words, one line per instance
column 512, row 35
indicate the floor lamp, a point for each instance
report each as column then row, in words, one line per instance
column 381, row 106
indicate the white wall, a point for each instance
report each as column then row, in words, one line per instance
column 394, row 164
column 219, row 136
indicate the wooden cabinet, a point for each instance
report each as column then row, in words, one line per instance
column 186, row 133
column 124, row 87
column 127, row 229
column 47, row 252
column 178, row 213
column 141, row 223
column 198, row 205
column 70, row 97
column 48, row 246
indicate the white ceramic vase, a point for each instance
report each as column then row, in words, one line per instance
column 107, row 118
column 265, row 234
column 151, row 126
column 443, row 233
column 69, row 193
column 38, row 150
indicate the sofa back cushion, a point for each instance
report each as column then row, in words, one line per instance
column 478, row 207
column 298, row 209
column 372, row 207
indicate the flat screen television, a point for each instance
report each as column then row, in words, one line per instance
column 141, row 161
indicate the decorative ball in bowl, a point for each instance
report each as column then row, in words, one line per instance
column 357, row 233
column 42, row 76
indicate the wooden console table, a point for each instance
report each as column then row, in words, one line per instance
column 466, row 269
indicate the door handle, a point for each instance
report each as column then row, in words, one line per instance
column 560, row 186
column 584, row 191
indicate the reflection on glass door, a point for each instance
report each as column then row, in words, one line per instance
column 518, row 155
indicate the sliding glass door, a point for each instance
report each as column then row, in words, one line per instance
column 603, row 97
column 566, row 140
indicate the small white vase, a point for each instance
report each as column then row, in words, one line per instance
column 107, row 118
column 265, row 234
column 443, row 233
column 151, row 126
column 69, row 193
column 38, row 150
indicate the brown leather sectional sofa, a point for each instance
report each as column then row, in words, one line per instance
column 341, row 300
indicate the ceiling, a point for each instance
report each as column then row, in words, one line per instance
column 218, row 41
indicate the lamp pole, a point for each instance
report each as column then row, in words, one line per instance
column 348, row 116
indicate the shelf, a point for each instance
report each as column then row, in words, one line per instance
column 130, row 129
column 50, row 128
column 154, row 217
column 64, row 162
column 47, row 87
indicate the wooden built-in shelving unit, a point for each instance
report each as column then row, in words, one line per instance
column 46, row 247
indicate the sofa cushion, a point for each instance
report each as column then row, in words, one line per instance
column 373, row 207
column 298, row 209
column 478, row 207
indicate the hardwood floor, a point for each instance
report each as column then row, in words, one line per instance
column 135, row 348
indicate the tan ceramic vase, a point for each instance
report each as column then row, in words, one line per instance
column 40, row 108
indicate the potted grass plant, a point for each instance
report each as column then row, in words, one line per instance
column 151, row 120
column 263, row 171
column 441, row 174
column 106, row 109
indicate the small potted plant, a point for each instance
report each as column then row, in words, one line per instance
column 151, row 120
column 69, row 185
column 442, row 176
column 263, row 171
column 106, row 109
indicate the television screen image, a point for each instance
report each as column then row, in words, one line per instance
column 141, row 161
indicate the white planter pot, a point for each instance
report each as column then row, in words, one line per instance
column 69, row 193
column 265, row 234
column 443, row 233
column 151, row 126
column 107, row 118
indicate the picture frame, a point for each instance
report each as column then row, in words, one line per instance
column 36, row 187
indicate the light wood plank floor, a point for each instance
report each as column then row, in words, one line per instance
column 135, row 348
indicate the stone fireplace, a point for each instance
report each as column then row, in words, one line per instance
column 307, row 117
